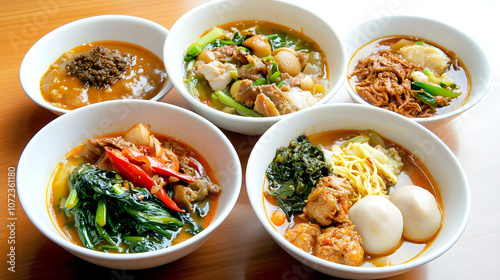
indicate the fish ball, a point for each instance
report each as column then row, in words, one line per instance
column 421, row 214
column 378, row 222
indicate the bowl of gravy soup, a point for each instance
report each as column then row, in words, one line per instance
column 96, row 59
column 356, row 191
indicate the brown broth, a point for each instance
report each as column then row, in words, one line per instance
column 58, row 190
column 414, row 172
column 143, row 80
column 456, row 72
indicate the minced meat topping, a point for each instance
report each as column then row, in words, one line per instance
column 100, row 67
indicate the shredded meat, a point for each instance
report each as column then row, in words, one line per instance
column 341, row 245
column 329, row 201
column 303, row 236
column 100, row 67
column 383, row 81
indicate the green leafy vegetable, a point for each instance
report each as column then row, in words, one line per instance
column 294, row 172
column 106, row 212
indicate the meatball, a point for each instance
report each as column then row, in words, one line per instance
column 340, row 245
column 329, row 201
column 303, row 236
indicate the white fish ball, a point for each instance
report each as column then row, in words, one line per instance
column 421, row 214
column 378, row 222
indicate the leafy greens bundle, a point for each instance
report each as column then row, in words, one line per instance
column 294, row 172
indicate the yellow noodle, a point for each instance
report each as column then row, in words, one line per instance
column 366, row 174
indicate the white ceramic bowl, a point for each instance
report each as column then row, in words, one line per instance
column 49, row 48
column 473, row 57
column 195, row 22
column 57, row 138
column 431, row 150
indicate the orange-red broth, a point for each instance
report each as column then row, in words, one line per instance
column 414, row 172
column 143, row 80
column 58, row 190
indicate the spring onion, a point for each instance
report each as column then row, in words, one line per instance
column 214, row 34
column 72, row 199
column 229, row 101
column 434, row 90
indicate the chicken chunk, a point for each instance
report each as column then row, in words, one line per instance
column 329, row 201
column 303, row 236
column 217, row 74
column 245, row 93
column 265, row 106
column 278, row 98
column 340, row 245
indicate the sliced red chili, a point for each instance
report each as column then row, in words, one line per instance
column 137, row 175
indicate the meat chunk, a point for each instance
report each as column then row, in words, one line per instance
column 184, row 196
column 217, row 74
column 94, row 147
column 278, row 98
column 329, row 201
column 246, row 93
column 303, row 236
column 254, row 70
column 340, row 245
column 265, row 106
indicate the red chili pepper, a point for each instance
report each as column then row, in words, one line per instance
column 155, row 164
column 134, row 173
column 162, row 169
column 369, row 160
column 197, row 166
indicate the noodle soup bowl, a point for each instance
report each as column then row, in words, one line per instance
column 468, row 51
column 48, row 147
column 49, row 48
column 430, row 149
column 200, row 19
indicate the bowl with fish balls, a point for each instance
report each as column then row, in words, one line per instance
column 244, row 67
column 96, row 59
column 127, row 189
column 345, row 188
column 431, row 73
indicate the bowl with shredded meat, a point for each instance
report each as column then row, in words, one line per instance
column 253, row 87
column 431, row 73
column 96, row 59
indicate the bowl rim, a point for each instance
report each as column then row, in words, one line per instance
column 318, row 263
column 24, row 79
column 57, row 238
column 466, row 105
column 179, row 85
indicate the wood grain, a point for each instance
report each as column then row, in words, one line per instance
column 240, row 248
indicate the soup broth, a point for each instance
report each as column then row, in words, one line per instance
column 413, row 172
column 59, row 191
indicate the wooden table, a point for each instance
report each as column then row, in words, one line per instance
column 240, row 248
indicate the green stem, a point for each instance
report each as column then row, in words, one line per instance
column 229, row 101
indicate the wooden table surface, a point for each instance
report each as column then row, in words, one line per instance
column 240, row 248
